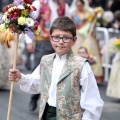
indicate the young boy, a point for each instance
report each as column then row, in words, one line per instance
column 66, row 82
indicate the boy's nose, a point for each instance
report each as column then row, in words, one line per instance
column 61, row 40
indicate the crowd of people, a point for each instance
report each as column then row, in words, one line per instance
column 86, row 14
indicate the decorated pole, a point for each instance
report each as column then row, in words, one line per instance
column 98, row 13
column 12, row 83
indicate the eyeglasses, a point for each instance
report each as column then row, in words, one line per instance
column 65, row 39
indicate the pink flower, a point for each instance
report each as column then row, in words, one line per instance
column 36, row 25
column 34, row 8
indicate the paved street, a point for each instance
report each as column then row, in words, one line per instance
column 20, row 102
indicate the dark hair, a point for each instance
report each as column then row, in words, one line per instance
column 84, row 49
column 117, row 15
column 82, row 1
column 65, row 24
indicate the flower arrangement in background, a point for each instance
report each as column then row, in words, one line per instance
column 19, row 18
column 92, row 19
column 113, row 46
column 91, row 59
column 117, row 44
column 104, row 18
column 97, row 12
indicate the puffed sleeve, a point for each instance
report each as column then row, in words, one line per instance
column 30, row 83
column 90, row 101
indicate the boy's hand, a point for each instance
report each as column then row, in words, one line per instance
column 14, row 75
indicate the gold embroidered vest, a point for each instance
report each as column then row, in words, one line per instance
column 68, row 87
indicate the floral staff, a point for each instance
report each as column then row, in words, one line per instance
column 18, row 18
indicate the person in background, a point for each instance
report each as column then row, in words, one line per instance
column 113, row 86
column 86, row 37
column 83, row 52
column 65, row 81
column 114, row 79
column 29, row 50
column 45, row 14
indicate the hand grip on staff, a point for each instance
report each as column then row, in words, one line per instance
column 12, row 83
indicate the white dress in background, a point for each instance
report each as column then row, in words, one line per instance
column 113, row 87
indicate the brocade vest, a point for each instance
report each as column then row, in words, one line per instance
column 68, row 87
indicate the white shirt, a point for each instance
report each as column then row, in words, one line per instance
column 90, row 96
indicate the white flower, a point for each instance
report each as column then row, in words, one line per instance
column 99, row 15
column 2, row 27
column 7, row 20
column 108, row 16
column 29, row 22
column 21, row 7
column 4, row 17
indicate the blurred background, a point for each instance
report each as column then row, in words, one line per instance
column 98, row 31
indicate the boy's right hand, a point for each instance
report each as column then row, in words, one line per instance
column 14, row 75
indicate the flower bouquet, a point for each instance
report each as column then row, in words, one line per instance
column 92, row 18
column 91, row 59
column 112, row 47
column 19, row 18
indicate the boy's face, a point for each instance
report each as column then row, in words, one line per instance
column 61, row 46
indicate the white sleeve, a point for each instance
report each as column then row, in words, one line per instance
column 90, row 96
column 30, row 83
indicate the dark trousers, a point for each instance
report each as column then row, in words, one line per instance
column 49, row 113
column 28, row 60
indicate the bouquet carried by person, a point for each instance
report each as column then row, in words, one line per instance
column 19, row 18
column 91, row 59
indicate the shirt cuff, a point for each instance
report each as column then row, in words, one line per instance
column 22, row 80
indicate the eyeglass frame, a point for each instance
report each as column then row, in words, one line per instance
column 70, row 38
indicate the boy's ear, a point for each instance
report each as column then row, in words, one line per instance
column 49, row 37
column 75, row 39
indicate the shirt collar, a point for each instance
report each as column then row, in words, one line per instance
column 62, row 57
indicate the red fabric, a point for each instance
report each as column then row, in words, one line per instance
column 44, row 19
column 45, row 15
